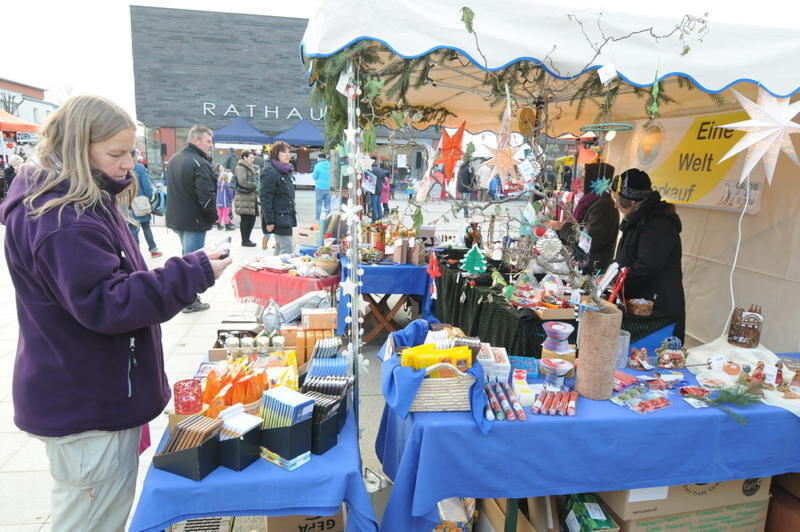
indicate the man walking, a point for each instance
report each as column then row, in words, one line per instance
column 322, row 184
column 192, row 196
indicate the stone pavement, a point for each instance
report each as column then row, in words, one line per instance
column 25, row 482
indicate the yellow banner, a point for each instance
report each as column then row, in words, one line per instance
column 682, row 156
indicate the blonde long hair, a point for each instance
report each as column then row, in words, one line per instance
column 63, row 155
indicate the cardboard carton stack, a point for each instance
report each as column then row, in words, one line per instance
column 739, row 505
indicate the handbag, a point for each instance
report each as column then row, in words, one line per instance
column 141, row 206
column 234, row 184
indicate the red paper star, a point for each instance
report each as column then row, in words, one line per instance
column 450, row 148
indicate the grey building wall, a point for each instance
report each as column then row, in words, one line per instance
column 190, row 67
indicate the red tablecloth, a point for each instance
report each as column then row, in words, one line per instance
column 261, row 286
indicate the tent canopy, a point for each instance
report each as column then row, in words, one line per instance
column 543, row 36
column 9, row 122
column 240, row 130
column 304, row 133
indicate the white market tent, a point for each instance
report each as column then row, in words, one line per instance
column 762, row 52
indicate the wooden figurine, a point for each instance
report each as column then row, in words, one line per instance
column 756, row 381
column 744, row 376
column 796, row 379
column 671, row 354
column 787, row 391
column 778, row 373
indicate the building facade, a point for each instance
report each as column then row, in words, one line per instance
column 26, row 102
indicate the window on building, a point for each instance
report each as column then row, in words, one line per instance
column 36, row 115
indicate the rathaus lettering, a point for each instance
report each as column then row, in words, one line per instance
column 267, row 111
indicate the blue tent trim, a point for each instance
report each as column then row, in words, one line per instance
column 304, row 133
column 240, row 130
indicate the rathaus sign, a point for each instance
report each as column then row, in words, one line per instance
column 267, row 111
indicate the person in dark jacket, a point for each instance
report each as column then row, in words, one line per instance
column 192, row 196
column 598, row 217
column 650, row 246
column 277, row 197
column 145, row 189
column 375, row 199
column 466, row 183
column 246, row 200
column 89, row 367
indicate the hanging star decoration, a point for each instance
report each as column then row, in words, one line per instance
column 767, row 132
column 350, row 212
column 363, row 162
column 502, row 161
column 601, row 186
column 350, row 134
column 451, row 153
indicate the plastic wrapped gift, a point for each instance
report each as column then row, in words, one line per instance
column 188, row 397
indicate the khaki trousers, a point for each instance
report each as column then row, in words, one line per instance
column 95, row 479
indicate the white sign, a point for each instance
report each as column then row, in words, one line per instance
column 401, row 160
column 265, row 111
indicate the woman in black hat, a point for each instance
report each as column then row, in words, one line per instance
column 650, row 246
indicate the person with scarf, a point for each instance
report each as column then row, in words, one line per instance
column 277, row 197
column 89, row 367
column 596, row 214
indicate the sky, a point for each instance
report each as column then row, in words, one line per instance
column 84, row 47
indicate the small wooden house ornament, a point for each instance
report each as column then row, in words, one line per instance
column 745, row 329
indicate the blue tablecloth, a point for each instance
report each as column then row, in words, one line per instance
column 389, row 279
column 307, row 250
column 434, row 456
column 316, row 488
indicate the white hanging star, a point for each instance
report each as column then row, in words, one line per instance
column 350, row 212
column 767, row 130
column 363, row 162
column 350, row 134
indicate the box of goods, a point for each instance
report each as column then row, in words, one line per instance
column 747, row 517
column 555, row 313
column 318, row 319
column 790, row 482
column 784, row 511
column 584, row 513
column 492, row 517
column 217, row 352
column 306, row 523
column 667, row 500
column 306, row 235
column 238, row 453
column 193, row 448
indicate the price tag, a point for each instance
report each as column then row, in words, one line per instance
column 572, row 522
column 584, row 242
column 595, row 512
column 770, row 374
column 607, row 73
column 344, row 81
column 575, row 297
column 411, row 242
column 696, row 403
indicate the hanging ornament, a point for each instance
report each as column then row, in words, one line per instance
column 473, row 262
column 601, row 186
column 653, row 108
column 502, row 161
column 549, row 246
column 526, row 122
column 450, row 148
column 767, row 132
column 350, row 211
column 434, row 272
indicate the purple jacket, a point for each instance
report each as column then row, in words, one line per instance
column 89, row 355
column 224, row 194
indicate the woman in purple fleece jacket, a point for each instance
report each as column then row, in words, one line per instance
column 89, row 370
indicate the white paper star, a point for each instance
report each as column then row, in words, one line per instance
column 350, row 212
column 767, row 130
column 348, row 287
column 363, row 162
column 350, row 134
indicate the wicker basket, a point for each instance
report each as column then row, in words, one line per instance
column 329, row 265
column 443, row 394
column 640, row 307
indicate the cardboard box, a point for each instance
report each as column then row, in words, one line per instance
column 289, row 333
column 318, row 319
column 400, row 252
column 543, row 513
column 492, row 517
column 300, row 351
column 748, row 517
column 653, row 502
column 790, row 482
column 217, row 352
column 548, row 314
column 193, row 463
column 306, row 523
column 569, row 356
column 784, row 511
column 306, row 235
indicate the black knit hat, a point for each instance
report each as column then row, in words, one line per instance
column 594, row 171
column 633, row 184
